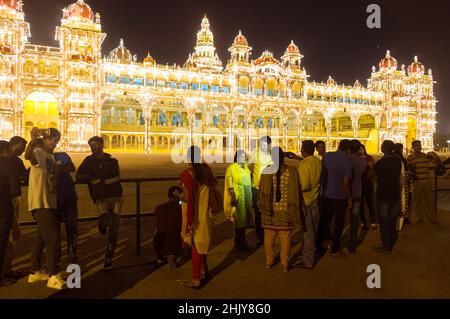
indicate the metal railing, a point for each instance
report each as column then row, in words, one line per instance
column 438, row 190
column 138, row 215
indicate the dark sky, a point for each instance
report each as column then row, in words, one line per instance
column 332, row 35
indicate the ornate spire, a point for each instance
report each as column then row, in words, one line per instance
column 204, row 52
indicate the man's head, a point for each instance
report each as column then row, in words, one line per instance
column 355, row 146
column 345, row 146
column 18, row 145
column 398, row 149
column 320, row 148
column 307, row 148
column 387, row 147
column 51, row 139
column 96, row 144
column 4, row 149
column 175, row 193
column 265, row 143
column 417, row 146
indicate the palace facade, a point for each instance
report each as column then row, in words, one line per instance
column 144, row 106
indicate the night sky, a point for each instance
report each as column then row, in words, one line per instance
column 332, row 35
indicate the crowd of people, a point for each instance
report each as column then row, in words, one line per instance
column 52, row 199
column 314, row 193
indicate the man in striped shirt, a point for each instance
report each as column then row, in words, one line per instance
column 422, row 169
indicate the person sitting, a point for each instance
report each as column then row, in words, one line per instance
column 167, row 239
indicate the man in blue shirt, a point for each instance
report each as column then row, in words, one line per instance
column 67, row 202
column 337, row 195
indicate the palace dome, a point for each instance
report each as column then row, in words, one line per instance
column 12, row 4
column 121, row 53
column 149, row 59
column 388, row 63
column 266, row 58
column 240, row 40
column 292, row 48
column 330, row 81
column 416, row 67
column 79, row 10
column 357, row 84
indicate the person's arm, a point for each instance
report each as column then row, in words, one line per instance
column 304, row 178
column 293, row 156
column 83, row 173
column 229, row 183
column 68, row 166
column 116, row 178
column 14, row 182
column 23, row 172
column 403, row 193
column 347, row 185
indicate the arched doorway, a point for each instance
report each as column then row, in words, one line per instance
column 368, row 133
column 123, row 115
column 341, row 128
column 40, row 110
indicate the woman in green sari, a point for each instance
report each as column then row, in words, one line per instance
column 238, row 198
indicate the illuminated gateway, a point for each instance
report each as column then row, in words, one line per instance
column 143, row 106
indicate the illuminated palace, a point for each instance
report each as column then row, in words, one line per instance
column 143, row 106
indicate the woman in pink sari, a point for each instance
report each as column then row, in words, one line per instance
column 197, row 180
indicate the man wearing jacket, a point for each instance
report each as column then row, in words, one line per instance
column 102, row 174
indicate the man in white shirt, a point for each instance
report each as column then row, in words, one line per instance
column 42, row 203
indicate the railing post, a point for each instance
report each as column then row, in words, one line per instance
column 138, row 218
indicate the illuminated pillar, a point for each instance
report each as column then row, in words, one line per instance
column 191, row 116
column 230, row 135
column 299, row 135
column 147, row 140
column 355, row 129
column 284, row 123
column 328, row 128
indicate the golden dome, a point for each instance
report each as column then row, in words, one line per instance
column 12, row 4
column 330, row 81
column 149, row 59
column 266, row 58
column 292, row 48
column 388, row 63
column 416, row 67
column 121, row 53
column 240, row 40
column 357, row 84
column 79, row 11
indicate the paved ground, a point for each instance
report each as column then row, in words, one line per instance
column 419, row 268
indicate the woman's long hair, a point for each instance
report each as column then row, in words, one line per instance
column 278, row 159
column 194, row 157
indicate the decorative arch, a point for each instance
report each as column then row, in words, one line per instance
column 41, row 109
column 313, row 123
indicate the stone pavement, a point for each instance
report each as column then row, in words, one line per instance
column 418, row 268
